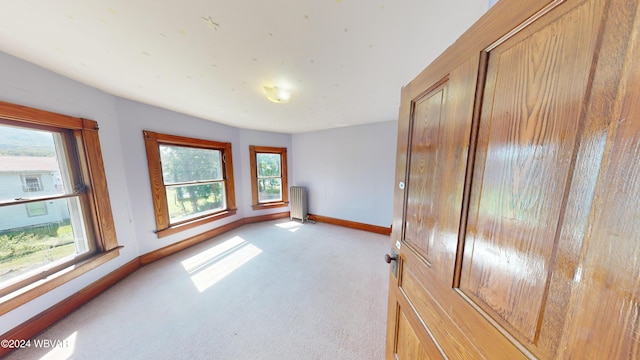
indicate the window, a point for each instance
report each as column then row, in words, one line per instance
column 191, row 181
column 268, row 176
column 55, row 216
column 31, row 183
column 37, row 209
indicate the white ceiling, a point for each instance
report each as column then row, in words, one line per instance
column 344, row 60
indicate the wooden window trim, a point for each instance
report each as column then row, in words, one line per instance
column 282, row 151
column 99, row 215
column 152, row 142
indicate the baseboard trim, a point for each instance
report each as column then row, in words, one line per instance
column 351, row 224
column 40, row 322
column 181, row 245
column 261, row 218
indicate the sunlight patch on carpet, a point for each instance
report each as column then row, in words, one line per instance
column 212, row 254
column 214, row 264
column 61, row 349
column 292, row 226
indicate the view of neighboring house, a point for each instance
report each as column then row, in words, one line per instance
column 30, row 177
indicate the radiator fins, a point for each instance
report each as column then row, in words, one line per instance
column 298, row 203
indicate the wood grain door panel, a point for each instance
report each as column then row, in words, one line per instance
column 412, row 342
column 605, row 302
column 426, row 144
column 409, row 346
column 536, row 84
column 440, row 134
column 438, row 137
column 453, row 323
column 607, row 285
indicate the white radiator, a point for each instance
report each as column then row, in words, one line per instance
column 298, row 202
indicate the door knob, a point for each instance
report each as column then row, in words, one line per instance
column 388, row 258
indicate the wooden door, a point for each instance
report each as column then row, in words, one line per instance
column 438, row 142
column 439, row 132
column 518, row 190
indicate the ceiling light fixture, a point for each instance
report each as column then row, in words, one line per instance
column 278, row 95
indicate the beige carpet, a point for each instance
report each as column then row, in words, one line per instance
column 273, row 290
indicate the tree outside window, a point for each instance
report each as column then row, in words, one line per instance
column 191, row 181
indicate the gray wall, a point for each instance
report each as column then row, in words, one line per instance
column 349, row 171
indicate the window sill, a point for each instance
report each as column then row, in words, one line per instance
column 270, row 205
column 41, row 287
column 193, row 223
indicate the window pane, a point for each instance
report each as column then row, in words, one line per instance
column 32, row 183
column 191, row 201
column 184, row 164
column 37, row 209
column 31, row 163
column 29, row 242
column 269, row 190
column 268, row 165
